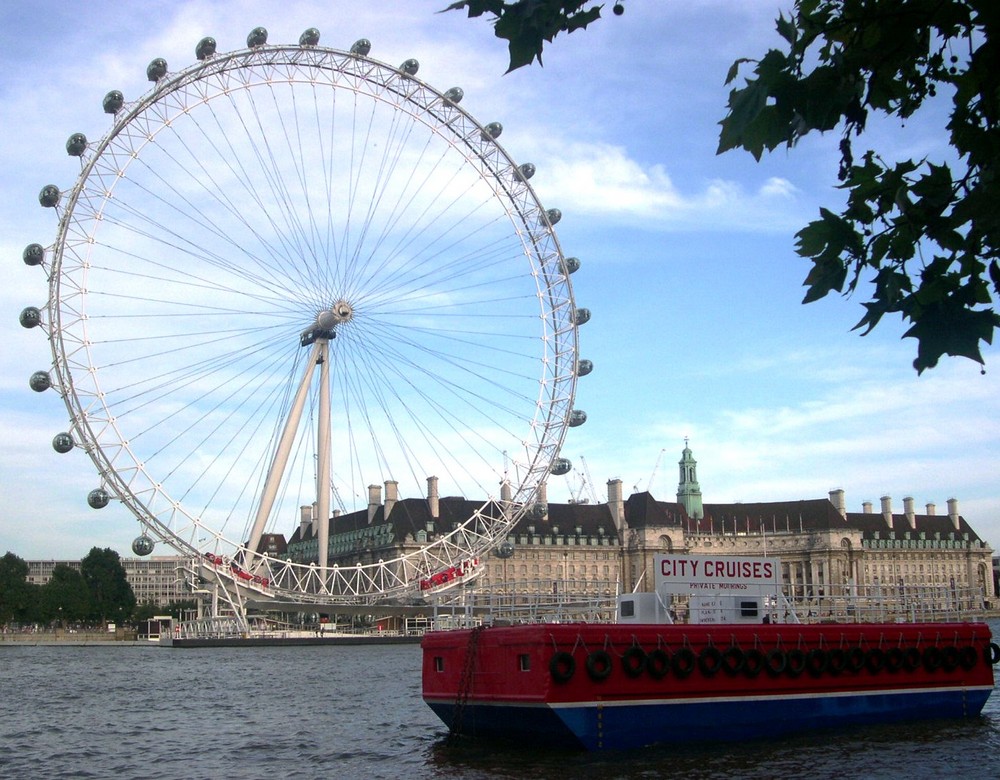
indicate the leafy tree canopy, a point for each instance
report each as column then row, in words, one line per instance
column 920, row 235
column 110, row 591
column 14, row 591
column 65, row 596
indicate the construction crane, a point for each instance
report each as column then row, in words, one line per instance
column 588, row 480
column 656, row 467
column 586, row 484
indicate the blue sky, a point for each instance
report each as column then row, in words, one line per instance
column 688, row 261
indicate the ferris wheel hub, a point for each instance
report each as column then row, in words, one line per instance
column 337, row 314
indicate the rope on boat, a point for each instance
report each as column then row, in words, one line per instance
column 465, row 682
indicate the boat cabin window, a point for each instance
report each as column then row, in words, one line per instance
column 628, row 608
column 748, row 609
column 524, row 662
column 438, row 663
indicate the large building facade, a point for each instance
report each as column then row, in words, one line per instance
column 586, row 549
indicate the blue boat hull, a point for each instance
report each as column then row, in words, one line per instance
column 631, row 724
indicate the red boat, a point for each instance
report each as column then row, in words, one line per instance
column 626, row 685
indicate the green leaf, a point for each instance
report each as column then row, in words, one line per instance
column 827, row 274
column 953, row 330
column 786, row 29
column 734, row 69
column 744, row 106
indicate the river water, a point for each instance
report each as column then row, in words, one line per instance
column 355, row 712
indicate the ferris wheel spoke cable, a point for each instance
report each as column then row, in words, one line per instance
column 200, row 414
column 380, row 180
column 183, row 373
column 446, row 414
column 282, row 263
column 412, row 188
column 444, row 224
column 406, row 197
column 471, row 368
column 217, row 359
column 267, row 279
column 207, row 184
column 279, row 254
column 271, row 169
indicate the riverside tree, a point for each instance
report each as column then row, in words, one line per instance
column 918, row 237
column 15, row 594
column 111, row 595
column 65, row 597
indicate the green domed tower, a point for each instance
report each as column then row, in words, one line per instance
column 688, row 490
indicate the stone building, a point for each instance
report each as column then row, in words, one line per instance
column 824, row 549
column 586, row 549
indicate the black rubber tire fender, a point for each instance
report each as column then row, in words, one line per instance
column 709, row 660
column 683, row 662
column 796, row 662
column 634, row 661
column 657, row 663
column 733, row 660
column 775, row 662
column 562, row 666
column 817, row 661
column 599, row 665
column 754, row 662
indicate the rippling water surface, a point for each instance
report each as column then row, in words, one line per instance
column 356, row 712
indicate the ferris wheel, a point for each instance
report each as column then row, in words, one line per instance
column 286, row 273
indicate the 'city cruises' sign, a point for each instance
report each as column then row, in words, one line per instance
column 719, row 574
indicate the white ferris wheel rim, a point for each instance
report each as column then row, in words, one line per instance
column 108, row 245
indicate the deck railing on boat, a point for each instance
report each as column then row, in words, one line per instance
column 856, row 604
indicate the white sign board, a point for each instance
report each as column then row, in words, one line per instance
column 716, row 575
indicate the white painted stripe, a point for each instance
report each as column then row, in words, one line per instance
column 712, row 699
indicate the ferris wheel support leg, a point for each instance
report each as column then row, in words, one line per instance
column 281, row 455
column 323, row 460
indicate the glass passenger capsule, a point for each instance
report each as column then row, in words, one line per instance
column 205, row 48
column 30, row 317
column 76, row 144
column 98, row 498
column 113, row 102
column 156, row 69
column 257, row 37
column 561, row 466
column 40, row 381
column 33, row 254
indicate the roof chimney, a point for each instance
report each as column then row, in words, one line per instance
column 432, row 498
column 615, row 503
column 887, row 509
column 305, row 520
column 391, row 496
column 866, row 507
column 953, row 513
column 837, row 499
column 931, row 509
column 543, row 496
column 374, row 500
column 911, row 518
column 505, row 494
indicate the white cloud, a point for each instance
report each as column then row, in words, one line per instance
column 603, row 180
